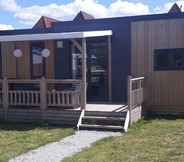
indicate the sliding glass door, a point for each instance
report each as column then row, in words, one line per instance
column 97, row 70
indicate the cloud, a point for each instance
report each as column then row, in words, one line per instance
column 6, row 27
column 61, row 12
column 128, row 8
column 167, row 6
column 29, row 15
column 9, row 5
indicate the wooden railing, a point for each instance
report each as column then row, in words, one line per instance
column 42, row 93
column 24, row 98
column 135, row 97
column 63, row 98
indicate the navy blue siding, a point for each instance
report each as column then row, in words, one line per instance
column 63, row 61
column 120, row 51
column 68, row 23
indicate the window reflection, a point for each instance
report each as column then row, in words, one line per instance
column 169, row 59
column 37, row 59
column 97, row 70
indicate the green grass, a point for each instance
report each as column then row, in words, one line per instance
column 19, row 138
column 147, row 141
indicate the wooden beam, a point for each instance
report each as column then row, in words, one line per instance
column 77, row 44
column 43, row 96
column 129, row 95
column 84, row 70
column 4, row 59
column 109, row 69
column 73, row 51
column 5, row 89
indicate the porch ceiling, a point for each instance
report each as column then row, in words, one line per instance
column 52, row 36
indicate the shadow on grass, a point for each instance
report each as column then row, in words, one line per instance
column 151, row 117
column 18, row 126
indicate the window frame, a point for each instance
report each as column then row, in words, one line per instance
column 170, row 56
column 31, row 60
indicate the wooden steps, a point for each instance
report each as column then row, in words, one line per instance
column 110, row 121
column 101, row 127
column 103, row 118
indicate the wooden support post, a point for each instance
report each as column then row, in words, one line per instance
column 84, row 70
column 73, row 71
column 129, row 91
column 5, row 96
column 109, row 69
column 43, row 95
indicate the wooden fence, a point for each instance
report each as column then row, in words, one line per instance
column 135, row 98
column 41, row 93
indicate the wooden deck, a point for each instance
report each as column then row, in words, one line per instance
column 105, row 107
column 53, row 105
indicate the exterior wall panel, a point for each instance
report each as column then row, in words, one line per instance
column 8, row 60
column 23, row 63
column 50, row 60
column 163, row 89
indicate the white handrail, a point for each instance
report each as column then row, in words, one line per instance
column 80, row 119
column 127, row 120
column 140, row 78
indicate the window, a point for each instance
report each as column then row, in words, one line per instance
column 38, row 65
column 169, row 59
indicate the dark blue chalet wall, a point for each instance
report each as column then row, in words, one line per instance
column 120, row 50
column 62, row 61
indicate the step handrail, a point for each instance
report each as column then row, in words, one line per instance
column 127, row 121
column 80, row 119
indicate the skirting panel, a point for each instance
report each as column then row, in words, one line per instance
column 56, row 117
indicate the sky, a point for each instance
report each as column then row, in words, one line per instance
column 19, row 14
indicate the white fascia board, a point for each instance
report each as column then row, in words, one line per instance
column 53, row 36
column 97, row 33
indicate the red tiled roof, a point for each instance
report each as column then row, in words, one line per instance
column 45, row 22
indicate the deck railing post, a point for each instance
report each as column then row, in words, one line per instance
column 129, row 90
column 43, row 95
column 5, row 95
column 84, row 70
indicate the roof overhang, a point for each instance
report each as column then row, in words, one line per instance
column 54, row 36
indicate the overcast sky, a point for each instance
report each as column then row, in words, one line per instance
column 16, row 14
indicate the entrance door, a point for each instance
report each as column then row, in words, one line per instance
column 97, row 71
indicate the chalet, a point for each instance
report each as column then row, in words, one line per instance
column 99, row 55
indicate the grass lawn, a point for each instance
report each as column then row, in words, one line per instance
column 147, row 141
column 19, row 138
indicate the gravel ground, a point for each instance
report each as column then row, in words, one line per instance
column 57, row 151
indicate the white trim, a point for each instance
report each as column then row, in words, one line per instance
column 97, row 33
column 80, row 119
column 127, row 121
column 52, row 36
